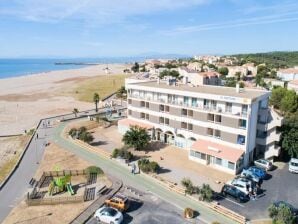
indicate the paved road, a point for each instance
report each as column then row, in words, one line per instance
column 16, row 187
column 281, row 185
column 138, row 181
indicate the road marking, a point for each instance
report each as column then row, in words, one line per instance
column 232, row 201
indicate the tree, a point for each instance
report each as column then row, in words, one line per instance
column 96, row 100
column 121, row 93
column 136, row 137
column 172, row 73
column 86, row 137
column 276, row 96
column 223, row 71
column 289, row 102
column 75, row 111
column 281, row 214
column 135, row 67
column 290, row 142
column 189, row 187
column 230, row 82
column 238, row 76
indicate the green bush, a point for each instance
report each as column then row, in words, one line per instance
column 122, row 153
column 86, row 137
column 190, row 188
column 72, row 132
column 94, row 169
column 206, row 193
column 148, row 167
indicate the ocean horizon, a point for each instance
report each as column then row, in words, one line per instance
column 21, row 67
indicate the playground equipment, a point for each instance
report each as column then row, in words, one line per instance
column 60, row 184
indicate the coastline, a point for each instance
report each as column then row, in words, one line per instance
column 26, row 99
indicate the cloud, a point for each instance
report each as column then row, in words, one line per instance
column 284, row 17
column 98, row 11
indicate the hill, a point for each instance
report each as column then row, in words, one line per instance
column 278, row 59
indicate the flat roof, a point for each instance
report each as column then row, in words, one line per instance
column 207, row 89
column 130, row 122
column 217, row 150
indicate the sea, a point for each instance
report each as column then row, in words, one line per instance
column 20, row 67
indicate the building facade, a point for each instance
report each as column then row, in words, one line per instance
column 217, row 125
column 288, row 74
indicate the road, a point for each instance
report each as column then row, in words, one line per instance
column 17, row 186
column 138, row 181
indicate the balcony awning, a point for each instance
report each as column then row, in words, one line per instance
column 129, row 122
column 217, row 150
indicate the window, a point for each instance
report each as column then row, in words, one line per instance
column 198, row 154
column 142, row 115
column 129, row 112
column 194, row 102
column 167, row 108
column 210, row 131
column 147, row 104
column 184, row 125
column 190, row 113
column 185, row 100
column 241, row 139
column 231, row 165
column 129, row 101
column 244, row 109
column 210, row 117
column 167, row 121
column 242, row 123
column 229, row 107
column 142, row 104
column 217, row 133
column 147, row 116
column 190, row 127
column 218, row 118
column 218, row 161
column 161, row 120
column 161, row 108
column 184, row 112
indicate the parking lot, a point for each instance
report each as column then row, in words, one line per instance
column 280, row 185
column 147, row 208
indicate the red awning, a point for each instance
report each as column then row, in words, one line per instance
column 217, row 150
column 129, row 122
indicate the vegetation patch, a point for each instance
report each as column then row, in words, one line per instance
column 147, row 166
column 81, row 134
column 204, row 192
column 123, row 153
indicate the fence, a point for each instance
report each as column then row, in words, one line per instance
column 64, row 172
column 54, row 200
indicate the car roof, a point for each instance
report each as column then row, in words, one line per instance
column 120, row 197
column 294, row 160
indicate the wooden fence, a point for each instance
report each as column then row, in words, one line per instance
column 54, row 200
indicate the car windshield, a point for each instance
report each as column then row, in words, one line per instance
column 110, row 211
column 294, row 164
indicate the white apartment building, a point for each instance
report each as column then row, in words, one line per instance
column 288, row 74
column 222, row 127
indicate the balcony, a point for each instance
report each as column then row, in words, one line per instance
column 273, row 120
column 273, row 150
column 267, row 139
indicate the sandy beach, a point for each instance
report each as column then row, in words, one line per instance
column 25, row 100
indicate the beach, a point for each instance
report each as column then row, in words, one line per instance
column 26, row 99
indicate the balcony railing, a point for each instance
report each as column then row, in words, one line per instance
column 196, row 106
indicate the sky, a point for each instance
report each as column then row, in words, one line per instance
column 117, row 28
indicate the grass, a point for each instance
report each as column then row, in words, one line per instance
column 103, row 85
column 7, row 167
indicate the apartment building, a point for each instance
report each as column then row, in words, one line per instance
column 221, row 127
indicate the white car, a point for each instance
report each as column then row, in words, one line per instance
column 240, row 183
column 293, row 165
column 108, row 215
column 264, row 164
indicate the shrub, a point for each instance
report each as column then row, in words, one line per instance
column 188, row 213
column 31, row 131
column 122, row 153
column 94, row 169
column 86, row 137
column 206, row 193
column 281, row 214
column 72, row 132
column 190, row 188
column 146, row 166
column 82, row 130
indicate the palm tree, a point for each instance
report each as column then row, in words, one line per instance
column 96, row 100
column 136, row 137
column 75, row 111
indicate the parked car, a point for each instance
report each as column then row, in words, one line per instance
column 232, row 191
column 108, row 215
column 120, row 202
column 264, row 164
column 241, row 184
column 250, row 175
column 291, row 207
column 293, row 165
column 256, row 171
